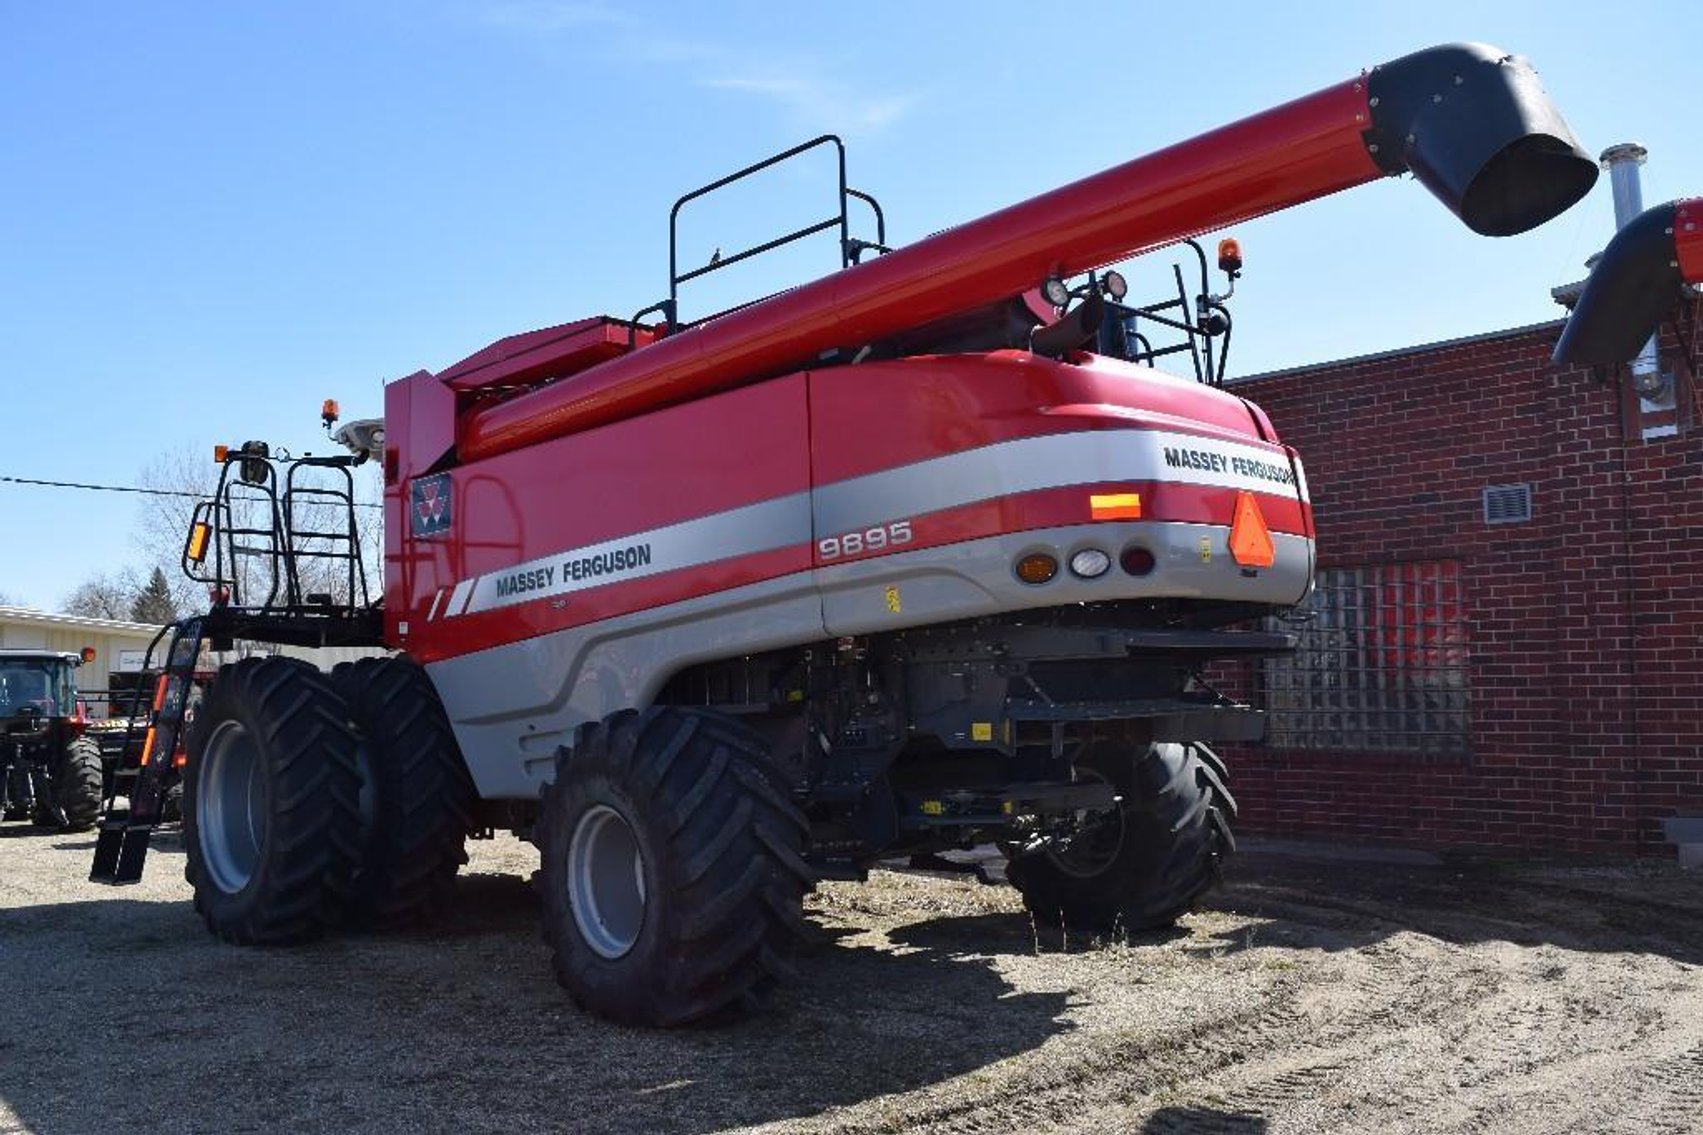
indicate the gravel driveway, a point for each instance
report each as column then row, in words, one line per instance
column 1319, row 991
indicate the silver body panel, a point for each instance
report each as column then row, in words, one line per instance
column 512, row 706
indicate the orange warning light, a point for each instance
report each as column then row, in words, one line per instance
column 1114, row 506
column 198, row 542
column 1250, row 539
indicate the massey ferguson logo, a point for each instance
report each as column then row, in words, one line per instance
column 429, row 505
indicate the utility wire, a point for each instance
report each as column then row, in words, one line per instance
column 126, row 489
column 100, row 488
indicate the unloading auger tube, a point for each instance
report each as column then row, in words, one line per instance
column 1469, row 121
column 1635, row 284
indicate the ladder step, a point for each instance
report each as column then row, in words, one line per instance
column 119, row 851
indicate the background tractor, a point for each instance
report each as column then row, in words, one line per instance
column 50, row 773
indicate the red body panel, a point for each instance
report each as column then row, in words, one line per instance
column 1688, row 238
column 783, row 438
column 880, row 415
column 717, row 454
column 1293, row 153
column 552, row 352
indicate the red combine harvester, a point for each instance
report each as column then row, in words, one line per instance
column 920, row 556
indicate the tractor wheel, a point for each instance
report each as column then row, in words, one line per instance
column 271, row 819
column 673, row 873
column 1147, row 863
column 77, row 784
column 417, row 801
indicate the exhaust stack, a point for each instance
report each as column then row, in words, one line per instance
column 1472, row 124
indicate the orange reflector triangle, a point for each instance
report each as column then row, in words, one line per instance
column 1250, row 539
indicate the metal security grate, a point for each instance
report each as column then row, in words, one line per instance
column 1507, row 504
column 1382, row 664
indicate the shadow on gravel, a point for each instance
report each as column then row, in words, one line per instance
column 18, row 829
column 1335, row 901
column 1004, row 935
column 1202, row 1121
column 128, row 1015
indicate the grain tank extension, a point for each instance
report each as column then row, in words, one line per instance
column 923, row 555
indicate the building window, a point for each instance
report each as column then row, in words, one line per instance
column 1381, row 665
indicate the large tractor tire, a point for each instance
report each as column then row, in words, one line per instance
column 673, row 870
column 271, row 818
column 417, row 800
column 1148, row 862
column 77, row 784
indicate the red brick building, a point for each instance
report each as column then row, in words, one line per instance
column 1506, row 645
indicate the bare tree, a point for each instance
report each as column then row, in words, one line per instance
column 99, row 597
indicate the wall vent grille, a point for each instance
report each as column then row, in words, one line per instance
column 1507, row 504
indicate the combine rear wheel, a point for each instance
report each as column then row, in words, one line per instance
column 271, row 820
column 673, row 874
column 417, row 800
column 77, row 784
column 1144, row 865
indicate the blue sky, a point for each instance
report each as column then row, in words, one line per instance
column 213, row 215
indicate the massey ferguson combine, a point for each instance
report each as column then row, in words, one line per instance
column 919, row 556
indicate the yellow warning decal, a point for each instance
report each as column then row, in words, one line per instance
column 893, row 603
column 981, row 730
column 1114, row 506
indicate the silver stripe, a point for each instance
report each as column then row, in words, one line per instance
column 436, row 600
column 767, row 525
column 1031, row 464
column 1002, row 469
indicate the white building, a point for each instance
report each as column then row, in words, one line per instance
column 118, row 646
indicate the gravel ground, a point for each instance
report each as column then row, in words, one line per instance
column 1319, row 992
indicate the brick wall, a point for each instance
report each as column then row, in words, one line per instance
column 1586, row 624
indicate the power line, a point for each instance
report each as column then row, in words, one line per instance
column 99, row 488
column 125, row 489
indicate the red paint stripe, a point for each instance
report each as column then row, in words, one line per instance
column 1066, row 507
column 446, row 638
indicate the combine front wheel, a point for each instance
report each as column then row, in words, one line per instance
column 271, row 819
column 673, row 877
column 1147, row 863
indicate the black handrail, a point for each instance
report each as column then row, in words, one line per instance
column 851, row 248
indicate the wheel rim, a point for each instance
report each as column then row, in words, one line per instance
column 229, row 807
column 606, row 881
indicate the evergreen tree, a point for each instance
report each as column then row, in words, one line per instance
column 154, row 603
